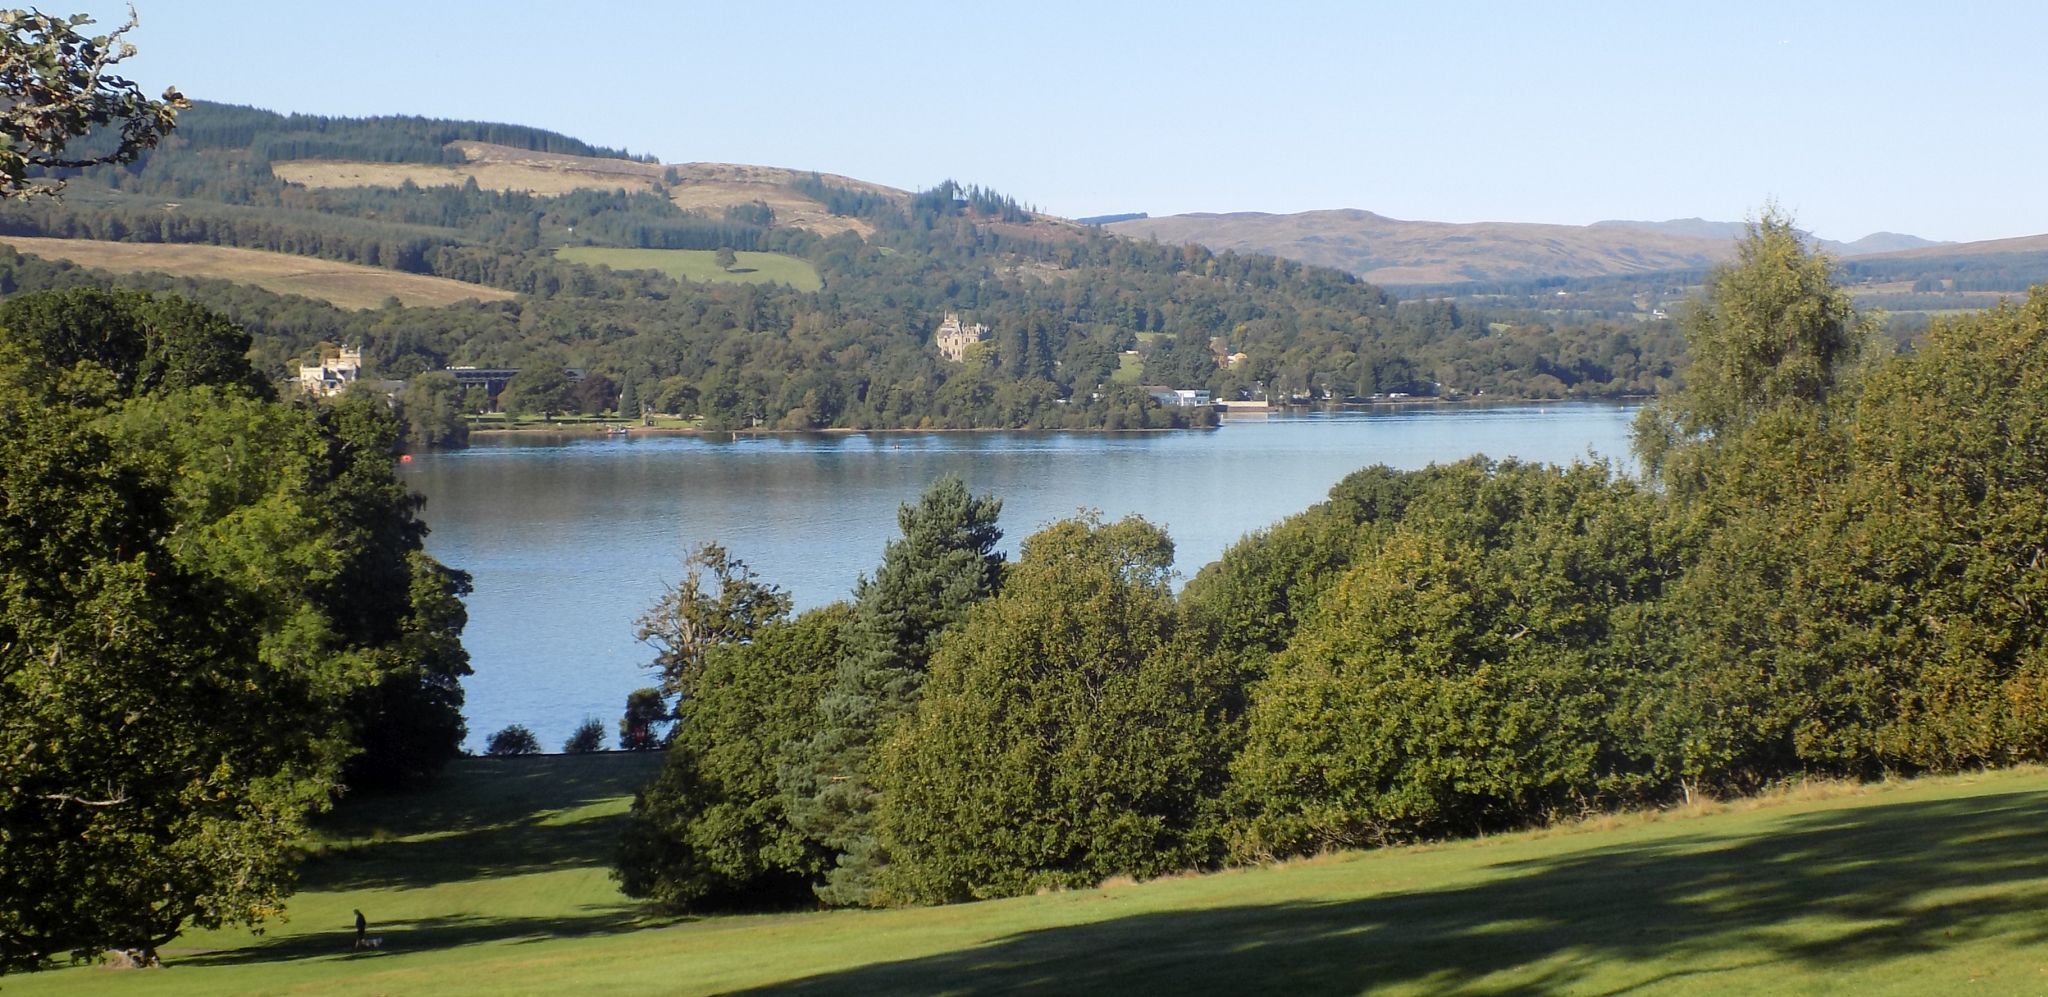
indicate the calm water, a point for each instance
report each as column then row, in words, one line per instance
column 569, row 540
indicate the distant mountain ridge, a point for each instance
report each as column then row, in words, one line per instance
column 1396, row 252
column 1700, row 228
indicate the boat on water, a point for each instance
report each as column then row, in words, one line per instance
column 617, row 430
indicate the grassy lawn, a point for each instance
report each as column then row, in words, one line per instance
column 1130, row 369
column 495, row 883
column 696, row 264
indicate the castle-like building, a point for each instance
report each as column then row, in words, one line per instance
column 332, row 377
column 953, row 339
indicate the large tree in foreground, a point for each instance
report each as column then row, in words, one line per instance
column 57, row 87
column 208, row 601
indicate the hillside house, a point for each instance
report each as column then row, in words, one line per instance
column 332, row 376
column 953, row 339
column 1178, row 397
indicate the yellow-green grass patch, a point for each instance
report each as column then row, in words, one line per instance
column 346, row 285
column 701, row 265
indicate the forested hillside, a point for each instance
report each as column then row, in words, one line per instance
column 1066, row 307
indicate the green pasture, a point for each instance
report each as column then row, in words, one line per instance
column 1130, row 369
column 698, row 264
column 495, row 883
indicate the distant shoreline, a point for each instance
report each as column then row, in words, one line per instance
column 598, row 429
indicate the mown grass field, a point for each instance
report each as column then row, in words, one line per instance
column 1130, row 369
column 697, row 264
column 495, row 883
column 345, row 285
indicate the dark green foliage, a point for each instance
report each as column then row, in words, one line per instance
column 645, row 720
column 431, row 408
column 389, row 139
column 588, row 738
column 147, row 342
column 712, row 828
column 945, row 563
column 1469, row 672
column 629, row 401
column 410, row 723
column 208, row 601
column 514, row 739
column 1907, row 532
column 542, row 391
column 158, row 757
column 1064, row 735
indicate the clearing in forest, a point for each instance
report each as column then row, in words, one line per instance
column 701, row 265
column 346, row 285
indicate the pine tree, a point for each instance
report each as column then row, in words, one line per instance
column 945, row 563
column 629, row 401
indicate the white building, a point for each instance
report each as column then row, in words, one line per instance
column 1178, row 397
column 332, row 377
column 953, row 339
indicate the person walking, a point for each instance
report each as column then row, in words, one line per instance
column 362, row 931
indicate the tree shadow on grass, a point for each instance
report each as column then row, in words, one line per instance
column 1835, row 890
column 486, row 853
column 507, row 819
column 432, row 933
column 485, row 792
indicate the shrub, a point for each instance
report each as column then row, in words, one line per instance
column 513, row 740
column 589, row 738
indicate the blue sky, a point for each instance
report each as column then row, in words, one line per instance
column 1917, row 118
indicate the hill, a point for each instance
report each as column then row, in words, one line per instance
column 1399, row 253
column 1394, row 252
column 495, row 882
column 833, row 328
column 345, row 285
column 714, row 187
column 1876, row 242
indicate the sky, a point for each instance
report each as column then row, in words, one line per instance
column 1855, row 117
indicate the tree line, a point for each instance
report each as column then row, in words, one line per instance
column 1831, row 566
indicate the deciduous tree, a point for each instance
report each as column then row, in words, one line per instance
column 56, row 86
column 1064, row 735
column 712, row 828
column 719, row 601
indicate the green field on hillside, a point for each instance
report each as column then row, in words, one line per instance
column 697, row 264
column 495, row 882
